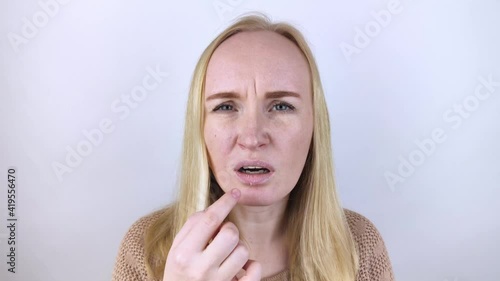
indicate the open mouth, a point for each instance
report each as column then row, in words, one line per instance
column 253, row 170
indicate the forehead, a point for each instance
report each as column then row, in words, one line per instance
column 264, row 57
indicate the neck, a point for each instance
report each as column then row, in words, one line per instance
column 262, row 227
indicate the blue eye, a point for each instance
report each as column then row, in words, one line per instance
column 223, row 107
column 283, row 107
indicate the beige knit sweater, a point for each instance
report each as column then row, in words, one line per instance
column 373, row 258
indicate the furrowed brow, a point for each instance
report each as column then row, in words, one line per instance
column 281, row 94
column 222, row 95
column 269, row 95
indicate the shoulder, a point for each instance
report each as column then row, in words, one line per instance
column 137, row 230
column 360, row 226
column 130, row 263
column 374, row 262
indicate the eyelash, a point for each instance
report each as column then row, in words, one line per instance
column 290, row 107
column 218, row 108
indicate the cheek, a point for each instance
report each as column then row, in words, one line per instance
column 217, row 140
column 293, row 132
column 293, row 143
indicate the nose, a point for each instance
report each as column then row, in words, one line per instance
column 253, row 130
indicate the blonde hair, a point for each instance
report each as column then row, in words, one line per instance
column 320, row 243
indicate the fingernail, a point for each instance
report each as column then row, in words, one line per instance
column 235, row 193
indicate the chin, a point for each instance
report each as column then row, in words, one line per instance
column 258, row 196
column 254, row 202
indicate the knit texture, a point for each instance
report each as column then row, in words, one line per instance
column 374, row 260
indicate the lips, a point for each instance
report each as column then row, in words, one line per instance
column 254, row 172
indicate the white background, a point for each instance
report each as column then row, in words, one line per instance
column 439, row 223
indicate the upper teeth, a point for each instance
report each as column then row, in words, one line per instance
column 253, row 167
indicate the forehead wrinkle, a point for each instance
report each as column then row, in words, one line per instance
column 273, row 48
column 273, row 60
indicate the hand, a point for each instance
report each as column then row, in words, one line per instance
column 192, row 258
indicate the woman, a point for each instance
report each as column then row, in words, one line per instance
column 257, row 195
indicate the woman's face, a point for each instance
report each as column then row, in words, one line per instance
column 258, row 115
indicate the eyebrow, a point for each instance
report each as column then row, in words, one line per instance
column 269, row 95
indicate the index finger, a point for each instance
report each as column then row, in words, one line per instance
column 197, row 239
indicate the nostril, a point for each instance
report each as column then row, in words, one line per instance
column 249, row 141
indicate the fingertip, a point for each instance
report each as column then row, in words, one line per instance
column 236, row 193
column 253, row 269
